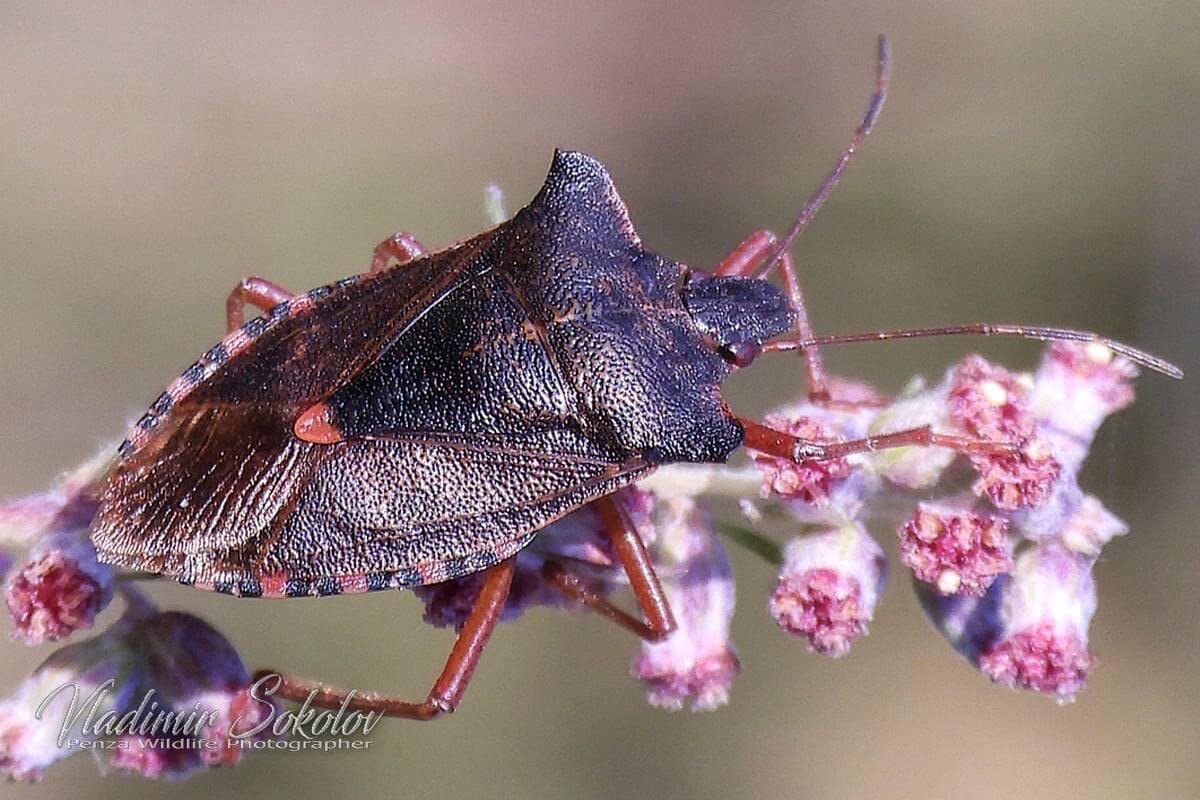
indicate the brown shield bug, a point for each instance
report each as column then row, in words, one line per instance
column 424, row 420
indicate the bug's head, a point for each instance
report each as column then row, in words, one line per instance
column 736, row 314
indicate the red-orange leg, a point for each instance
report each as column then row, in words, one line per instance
column 783, row 445
column 265, row 295
column 745, row 260
column 258, row 292
column 451, row 684
column 403, row 247
column 629, row 549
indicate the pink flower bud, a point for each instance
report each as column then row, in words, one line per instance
column 188, row 664
column 828, row 492
column 145, row 756
column 1045, row 612
column 1091, row 527
column 1022, row 480
column 1075, row 388
column 31, row 719
column 62, row 586
column 958, row 551
column 828, row 588
column 696, row 664
column 989, row 402
column 165, row 662
column 809, row 482
column 59, row 590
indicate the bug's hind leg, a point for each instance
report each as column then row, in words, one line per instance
column 451, row 684
column 403, row 247
column 745, row 261
column 258, row 292
column 627, row 545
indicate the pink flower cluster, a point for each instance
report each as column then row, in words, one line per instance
column 166, row 662
column 1003, row 569
column 149, row 663
column 1000, row 546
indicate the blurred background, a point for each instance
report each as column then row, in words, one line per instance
column 1035, row 162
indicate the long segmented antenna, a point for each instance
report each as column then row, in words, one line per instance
column 1038, row 332
column 817, row 200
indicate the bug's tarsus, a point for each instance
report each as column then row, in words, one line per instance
column 771, row 442
column 1037, row 332
column 627, row 545
column 883, row 73
column 576, row 588
column 451, row 684
column 258, row 292
column 401, row 246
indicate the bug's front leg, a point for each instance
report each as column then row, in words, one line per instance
column 451, row 684
column 745, row 261
column 627, row 545
column 783, row 445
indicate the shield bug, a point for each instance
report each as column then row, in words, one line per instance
column 424, row 420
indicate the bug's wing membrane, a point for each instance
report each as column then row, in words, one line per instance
column 216, row 478
column 250, row 506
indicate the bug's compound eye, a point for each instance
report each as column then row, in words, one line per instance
column 741, row 354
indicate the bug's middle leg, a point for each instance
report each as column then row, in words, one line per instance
column 745, row 261
column 258, row 292
column 629, row 549
column 265, row 295
column 451, row 684
column 401, row 246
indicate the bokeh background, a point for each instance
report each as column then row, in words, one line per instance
column 1037, row 161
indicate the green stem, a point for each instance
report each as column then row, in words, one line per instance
column 755, row 542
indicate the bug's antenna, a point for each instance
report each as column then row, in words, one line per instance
column 1039, row 332
column 818, row 199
